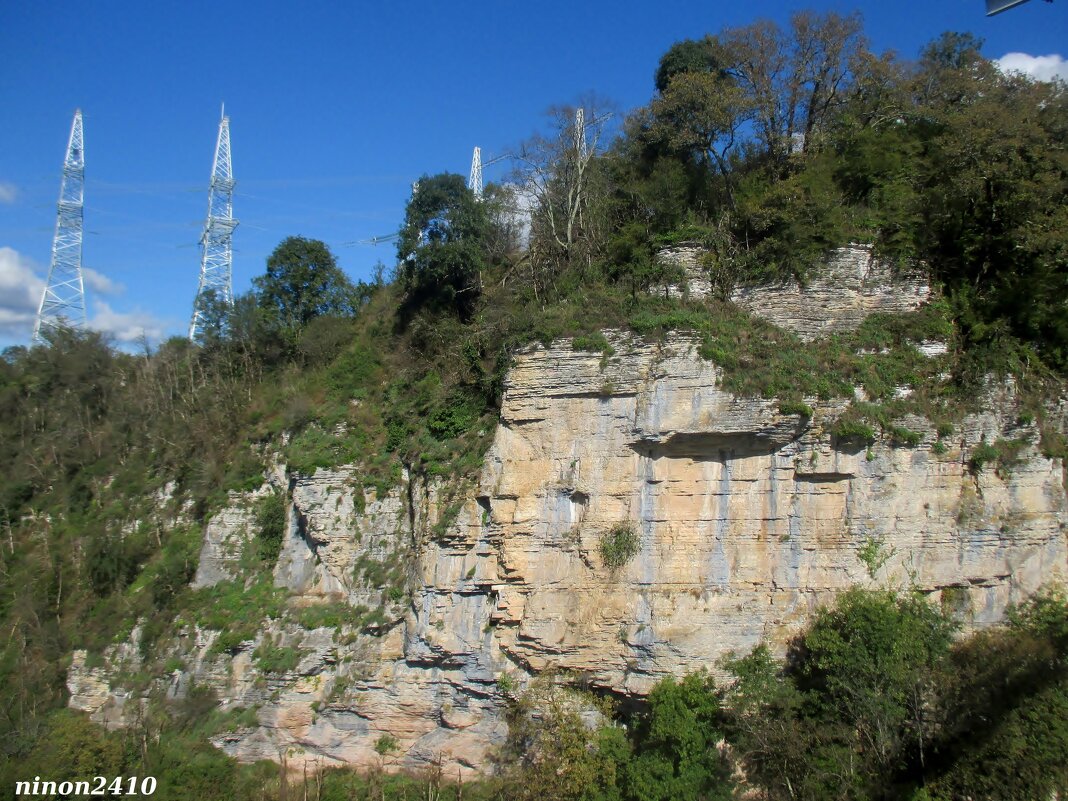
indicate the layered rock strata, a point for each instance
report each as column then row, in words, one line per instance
column 746, row 520
column 851, row 285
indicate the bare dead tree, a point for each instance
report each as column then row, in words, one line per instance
column 554, row 178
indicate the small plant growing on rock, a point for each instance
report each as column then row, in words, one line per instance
column 903, row 436
column 853, row 430
column 791, row 407
column 1005, row 454
column 874, row 554
column 276, row 660
column 270, row 525
column 386, row 744
column 619, row 545
column 981, row 454
column 593, row 342
column 1053, row 444
column 172, row 665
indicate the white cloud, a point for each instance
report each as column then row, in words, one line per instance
column 1041, row 68
column 127, row 327
column 8, row 192
column 20, row 294
column 99, row 282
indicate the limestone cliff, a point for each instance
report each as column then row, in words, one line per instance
column 851, row 285
column 746, row 519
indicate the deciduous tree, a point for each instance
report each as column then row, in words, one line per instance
column 558, row 176
column 442, row 245
column 302, row 282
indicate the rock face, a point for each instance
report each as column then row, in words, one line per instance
column 853, row 285
column 225, row 537
column 88, row 686
column 336, row 527
column 227, row 534
column 849, row 287
column 745, row 520
column 685, row 259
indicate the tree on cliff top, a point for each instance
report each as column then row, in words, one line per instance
column 441, row 247
column 303, row 282
column 689, row 55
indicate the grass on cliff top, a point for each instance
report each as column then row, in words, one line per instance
column 424, row 398
column 393, row 390
column 426, row 395
column 758, row 359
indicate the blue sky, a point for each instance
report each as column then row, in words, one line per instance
column 335, row 109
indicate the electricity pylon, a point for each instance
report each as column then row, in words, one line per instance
column 580, row 133
column 63, row 299
column 216, row 243
column 474, row 181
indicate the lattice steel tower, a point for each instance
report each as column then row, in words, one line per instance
column 63, row 299
column 216, row 242
column 580, row 132
column 474, row 180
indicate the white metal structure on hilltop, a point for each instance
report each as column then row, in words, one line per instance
column 580, row 132
column 63, row 299
column 474, row 180
column 216, row 242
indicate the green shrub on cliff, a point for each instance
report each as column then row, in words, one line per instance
column 270, row 526
column 619, row 545
column 876, row 700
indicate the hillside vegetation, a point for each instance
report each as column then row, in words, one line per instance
column 766, row 146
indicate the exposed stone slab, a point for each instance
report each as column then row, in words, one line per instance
column 838, row 296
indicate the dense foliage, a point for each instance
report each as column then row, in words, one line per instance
column 874, row 700
column 770, row 146
column 442, row 245
column 303, row 282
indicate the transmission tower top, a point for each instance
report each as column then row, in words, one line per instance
column 474, row 181
column 63, row 300
column 216, row 243
column 580, row 132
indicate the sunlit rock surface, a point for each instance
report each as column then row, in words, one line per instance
column 851, row 285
